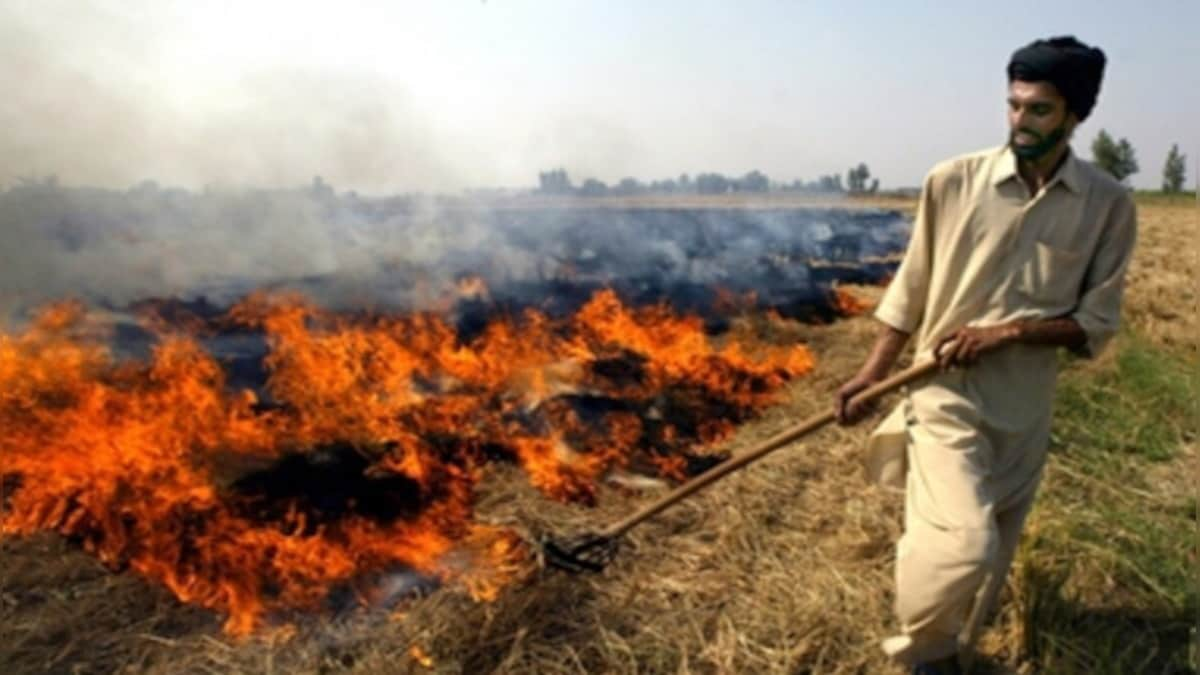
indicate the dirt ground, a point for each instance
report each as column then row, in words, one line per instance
column 782, row 568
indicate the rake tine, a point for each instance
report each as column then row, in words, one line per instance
column 583, row 554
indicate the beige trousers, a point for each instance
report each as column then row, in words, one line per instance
column 967, row 494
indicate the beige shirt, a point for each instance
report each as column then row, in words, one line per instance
column 983, row 252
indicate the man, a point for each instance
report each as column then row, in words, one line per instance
column 1015, row 251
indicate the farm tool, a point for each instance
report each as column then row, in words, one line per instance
column 592, row 552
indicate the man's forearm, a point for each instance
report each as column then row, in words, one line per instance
column 1057, row 332
column 965, row 345
column 888, row 346
column 884, row 353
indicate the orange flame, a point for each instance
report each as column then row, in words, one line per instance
column 849, row 304
column 126, row 456
column 418, row 654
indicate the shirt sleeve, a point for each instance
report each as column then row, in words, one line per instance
column 1099, row 310
column 903, row 304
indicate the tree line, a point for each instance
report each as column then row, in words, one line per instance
column 558, row 182
column 1119, row 158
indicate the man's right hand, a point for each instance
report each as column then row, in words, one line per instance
column 883, row 356
column 848, row 413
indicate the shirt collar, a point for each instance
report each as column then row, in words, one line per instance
column 1069, row 174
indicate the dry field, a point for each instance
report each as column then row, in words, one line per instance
column 783, row 568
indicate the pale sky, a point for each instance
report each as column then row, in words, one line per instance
column 399, row 96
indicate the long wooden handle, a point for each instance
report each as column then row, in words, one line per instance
column 764, row 448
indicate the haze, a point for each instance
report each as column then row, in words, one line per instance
column 402, row 96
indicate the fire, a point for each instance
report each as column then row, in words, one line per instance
column 849, row 304
column 129, row 457
column 420, row 656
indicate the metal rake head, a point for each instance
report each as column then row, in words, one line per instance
column 582, row 553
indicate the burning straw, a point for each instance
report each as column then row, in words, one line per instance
column 360, row 455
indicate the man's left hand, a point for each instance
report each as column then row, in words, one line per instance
column 964, row 346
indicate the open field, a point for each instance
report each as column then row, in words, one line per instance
column 731, row 200
column 784, row 568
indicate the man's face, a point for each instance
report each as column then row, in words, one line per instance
column 1038, row 119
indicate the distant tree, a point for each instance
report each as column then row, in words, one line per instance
column 712, row 184
column 853, row 182
column 554, row 182
column 627, row 186
column 830, row 183
column 857, row 179
column 755, row 181
column 685, row 183
column 666, row 185
column 321, row 190
column 1115, row 157
column 1175, row 170
column 1128, row 157
column 593, row 188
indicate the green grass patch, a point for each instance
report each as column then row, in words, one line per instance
column 1108, row 577
column 1144, row 405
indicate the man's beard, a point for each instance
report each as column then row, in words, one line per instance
column 1037, row 150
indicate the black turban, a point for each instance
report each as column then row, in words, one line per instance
column 1071, row 66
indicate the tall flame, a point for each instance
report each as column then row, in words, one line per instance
column 127, row 456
